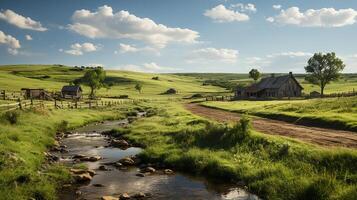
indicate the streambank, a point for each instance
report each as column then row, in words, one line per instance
column 142, row 180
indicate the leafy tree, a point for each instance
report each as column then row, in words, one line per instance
column 138, row 87
column 93, row 78
column 323, row 68
column 254, row 74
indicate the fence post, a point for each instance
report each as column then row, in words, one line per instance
column 20, row 106
column 76, row 104
column 89, row 104
column 55, row 104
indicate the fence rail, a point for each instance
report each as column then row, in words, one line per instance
column 57, row 104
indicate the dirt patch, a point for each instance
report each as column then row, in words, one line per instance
column 320, row 136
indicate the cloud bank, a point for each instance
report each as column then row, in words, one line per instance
column 20, row 21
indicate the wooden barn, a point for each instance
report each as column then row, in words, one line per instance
column 32, row 93
column 71, row 92
column 271, row 87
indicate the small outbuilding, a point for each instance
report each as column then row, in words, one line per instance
column 34, row 93
column 71, row 92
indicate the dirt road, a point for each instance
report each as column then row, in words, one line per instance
column 320, row 136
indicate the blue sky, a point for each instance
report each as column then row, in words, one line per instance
column 178, row 36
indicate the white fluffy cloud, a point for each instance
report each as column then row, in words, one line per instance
column 28, row 37
column 12, row 43
column 277, row 7
column 291, row 54
column 151, row 67
column 127, row 48
column 20, row 21
column 78, row 49
column 213, row 54
column 324, row 17
column 245, row 7
column 221, row 14
column 103, row 23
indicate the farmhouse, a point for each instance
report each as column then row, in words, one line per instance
column 32, row 93
column 271, row 87
column 71, row 92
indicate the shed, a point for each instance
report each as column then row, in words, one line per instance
column 34, row 93
column 71, row 92
column 271, row 87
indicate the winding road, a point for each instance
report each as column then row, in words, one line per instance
column 319, row 136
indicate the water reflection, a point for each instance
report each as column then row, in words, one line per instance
column 177, row 186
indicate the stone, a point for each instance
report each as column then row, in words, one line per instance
column 91, row 158
column 148, row 169
column 78, row 156
column 78, row 193
column 103, row 168
column 127, row 161
column 82, row 178
column 109, row 198
column 139, row 195
column 91, row 172
column 118, row 164
column 168, row 171
column 124, row 196
column 140, row 174
column 119, row 143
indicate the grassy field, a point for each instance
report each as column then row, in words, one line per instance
column 272, row 167
column 335, row 112
column 23, row 170
column 347, row 83
column 52, row 78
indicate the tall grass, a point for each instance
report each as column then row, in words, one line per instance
column 271, row 166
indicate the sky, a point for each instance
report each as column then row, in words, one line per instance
column 163, row 36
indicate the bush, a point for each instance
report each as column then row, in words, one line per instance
column 322, row 188
column 123, row 96
column 12, row 116
column 171, row 91
column 155, row 78
column 197, row 96
column 62, row 126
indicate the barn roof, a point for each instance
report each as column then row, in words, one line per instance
column 71, row 88
column 271, row 83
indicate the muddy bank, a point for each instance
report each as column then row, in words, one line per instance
column 114, row 177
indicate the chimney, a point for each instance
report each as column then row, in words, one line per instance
column 291, row 74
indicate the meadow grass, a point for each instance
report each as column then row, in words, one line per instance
column 53, row 77
column 338, row 113
column 23, row 170
column 272, row 167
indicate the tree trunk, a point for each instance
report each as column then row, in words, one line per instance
column 322, row 91
column 91, row 92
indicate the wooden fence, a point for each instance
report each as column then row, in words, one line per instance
column 57, row 104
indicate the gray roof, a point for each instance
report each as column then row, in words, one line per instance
column 71, row 88
column 271, row 83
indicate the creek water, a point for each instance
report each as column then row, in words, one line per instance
column 89, row 141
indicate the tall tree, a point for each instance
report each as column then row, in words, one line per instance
column 254, row 74
column 93, row 78
column 322, row 68
column 138, row 87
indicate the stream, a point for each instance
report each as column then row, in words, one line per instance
column 112, row 181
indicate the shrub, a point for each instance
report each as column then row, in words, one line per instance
column 322, row 188
column 170, row 91
column 123, row 96
column 12, row 116
column 155, row 78
column 62, row 126
column 196, row 96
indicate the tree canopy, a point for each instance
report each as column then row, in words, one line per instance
column 138, row 87
column 254, row 74
column 322, row 68
column 93, row 78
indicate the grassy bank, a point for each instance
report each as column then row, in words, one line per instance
column 338, row 113
column 23, row 171
column 271, row 166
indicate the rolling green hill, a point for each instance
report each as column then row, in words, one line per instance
column 53, row 77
